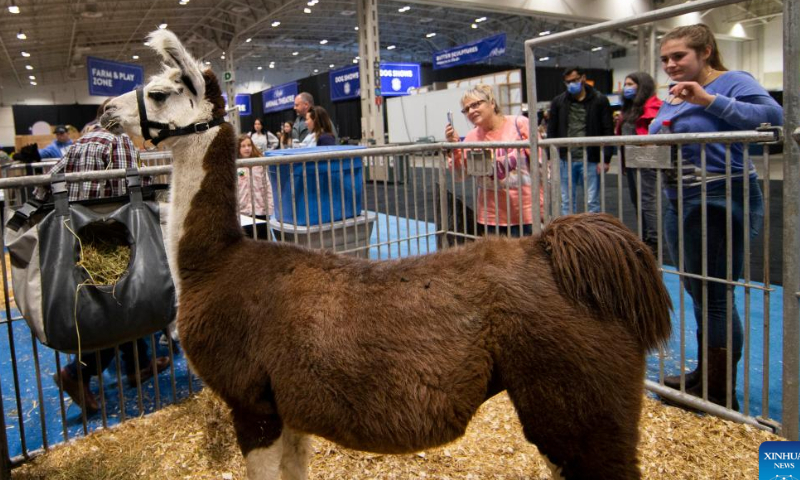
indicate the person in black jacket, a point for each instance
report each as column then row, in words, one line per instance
column 581, row 111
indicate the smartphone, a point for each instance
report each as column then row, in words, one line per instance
column 450, row 118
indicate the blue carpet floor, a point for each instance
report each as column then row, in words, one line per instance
column 27, row 415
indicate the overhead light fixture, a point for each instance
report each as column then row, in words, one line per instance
column 306, row 10
column 162, row 25
column 13, row 8
column 330, row 66
column 248, row 40
column 222, row 57
column 474, row 25
column 184, row 2
column 323, row 42
column 276, row 23
column 597, row 49
column 25, row 54
column 34, row 83
column 430, row 35
column 28, row 67
column 135, row 57
column 260, row 68
column 479, row 20
column 544, row 59
column 356, row 29
column 207, row 62
column 294, row 54
column 546, row 32
column 355, row 60
column 316, row 70
column 404, row 9
column 21, row 35
column 391, row 47
column 146, row 44
column 32, row 77
column 271, row 65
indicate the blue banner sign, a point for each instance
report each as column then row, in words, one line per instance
column 396, row 79
column 110, row 79
column 345, row 83
column 399, row 78
column 243, row 102
column 280, row 97
column 472, row 52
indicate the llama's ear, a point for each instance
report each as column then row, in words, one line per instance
column 171, row 50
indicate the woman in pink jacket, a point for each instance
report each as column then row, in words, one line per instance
column 639, row 107
column 505, row 200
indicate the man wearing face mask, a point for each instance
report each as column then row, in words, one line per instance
column 581, row 111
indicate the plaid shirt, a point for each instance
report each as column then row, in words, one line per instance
column 96, row 150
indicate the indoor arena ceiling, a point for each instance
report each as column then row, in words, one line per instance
column 60, row 34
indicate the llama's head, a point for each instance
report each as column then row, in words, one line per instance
column 181, row 100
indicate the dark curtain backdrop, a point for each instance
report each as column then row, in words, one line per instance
column 346, row 115
column 76, row 115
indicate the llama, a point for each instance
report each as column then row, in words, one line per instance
column 396, row 356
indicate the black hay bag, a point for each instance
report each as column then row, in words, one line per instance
column 46, row 278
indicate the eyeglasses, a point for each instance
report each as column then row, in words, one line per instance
column 472, row 106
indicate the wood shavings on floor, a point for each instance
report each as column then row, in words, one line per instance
column 195, row 440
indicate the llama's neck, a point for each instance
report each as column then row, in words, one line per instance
column 203, row 215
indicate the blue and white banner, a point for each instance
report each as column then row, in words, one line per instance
column 399, row 78
column 396, row 79
column 110, row 79
column 472, row 52
column 345, row 83
column 279, row 98
column 243, row 102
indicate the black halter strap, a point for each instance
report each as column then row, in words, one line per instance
column 164, row 131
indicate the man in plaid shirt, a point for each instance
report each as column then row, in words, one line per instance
column 96, row 150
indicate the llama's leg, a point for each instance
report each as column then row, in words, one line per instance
column 296, row 455
column 259, row 438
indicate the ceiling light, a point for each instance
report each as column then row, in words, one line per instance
column 260, row 68
column 358, row 57
column 330, row 66
column 474, row 25
column 34, row 83
column 323, row 42
column 430, row 35
column 21, row 35
column 544, row 59
column 316, row 70
column 13, row 8
column 306, row 10
column 248, row 40
column 32, row 77
column 276, row 23
column 546, row 32
column 479, row 20
column 295, row 54
column 355, row 60
column 146, row 44
column 135, row 57
column 404, row 9
column 162, row 25
column 391, row 47
column 597, row 49
column 25, row 54
column 208, row 63
column 271, row 65
column 222, row 57
column 184, row 2
column 356, row 29
column 28, row 67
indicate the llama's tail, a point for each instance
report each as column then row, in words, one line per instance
column 600, row 263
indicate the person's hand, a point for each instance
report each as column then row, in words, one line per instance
column 692, row 92
column 604, row 166
column 450, row 133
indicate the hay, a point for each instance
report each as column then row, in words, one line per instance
column 105, row 258
column 195, row 440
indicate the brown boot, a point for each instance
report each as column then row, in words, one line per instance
column 161, row 364
column 73, row 389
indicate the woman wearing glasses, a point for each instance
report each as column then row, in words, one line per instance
column 706, row 97
column 505, row 201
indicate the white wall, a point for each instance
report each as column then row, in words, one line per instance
column 772, row 56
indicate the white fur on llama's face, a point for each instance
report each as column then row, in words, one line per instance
column 175, row 97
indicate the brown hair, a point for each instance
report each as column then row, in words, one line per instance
column 698, row 37
column 322, row 122
column 255, row 153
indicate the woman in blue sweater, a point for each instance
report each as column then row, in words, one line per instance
column 706, row 97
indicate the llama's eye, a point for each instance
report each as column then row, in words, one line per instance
column 158, row 96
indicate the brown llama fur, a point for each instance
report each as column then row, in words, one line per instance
column 396, row 356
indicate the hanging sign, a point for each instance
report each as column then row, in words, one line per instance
column 243, row 102
column 111, row 79
column 489, row 47
column 280, row 97
column 396, row 79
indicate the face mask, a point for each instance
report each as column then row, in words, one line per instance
column 629, row 92
column 575, row 88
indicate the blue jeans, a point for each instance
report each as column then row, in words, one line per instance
column 716, row 257
column 592, row 180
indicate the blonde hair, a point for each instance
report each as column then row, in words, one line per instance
column 482, row 92
column 698, row 37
